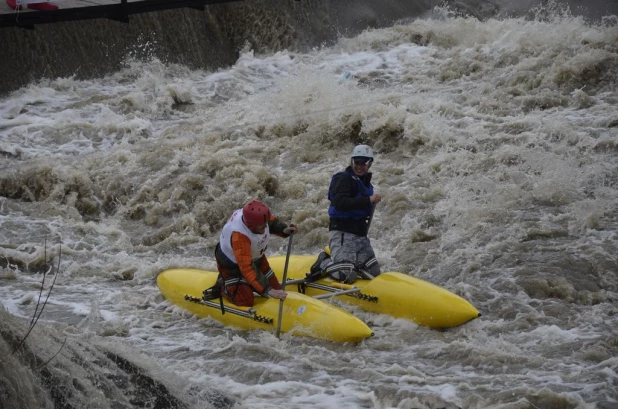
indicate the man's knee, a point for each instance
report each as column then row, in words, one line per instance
column 369, row 269
column 241, row 295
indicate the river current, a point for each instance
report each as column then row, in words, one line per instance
column 497, row 158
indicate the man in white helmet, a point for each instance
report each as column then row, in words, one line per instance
column 352, row 202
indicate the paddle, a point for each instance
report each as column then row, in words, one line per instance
column 373, row 209
column 285, row 275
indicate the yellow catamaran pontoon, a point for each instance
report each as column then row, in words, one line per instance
column 392, row 293
column 302, row 315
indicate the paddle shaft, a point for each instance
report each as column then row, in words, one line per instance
column 373, row 209
column 285, row 276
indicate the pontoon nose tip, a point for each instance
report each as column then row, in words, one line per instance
column 366, row 334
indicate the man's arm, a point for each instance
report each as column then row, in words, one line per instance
column 277, row 227
column 342, row 187
column 242, row 251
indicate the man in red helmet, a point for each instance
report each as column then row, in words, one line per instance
column 240, row 254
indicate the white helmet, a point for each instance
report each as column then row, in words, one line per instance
column 362, row 151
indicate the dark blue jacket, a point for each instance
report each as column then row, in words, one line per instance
column 350, row 207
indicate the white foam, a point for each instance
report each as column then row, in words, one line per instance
column 494, row 154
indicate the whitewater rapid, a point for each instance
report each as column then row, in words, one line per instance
column 496, row 155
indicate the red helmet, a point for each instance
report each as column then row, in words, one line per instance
column 255, row 213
